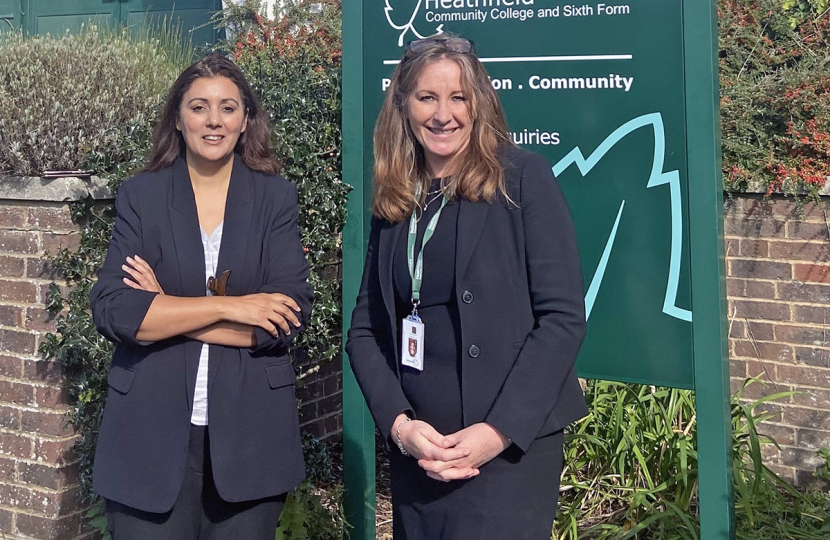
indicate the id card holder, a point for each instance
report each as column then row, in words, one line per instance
column 412, row 342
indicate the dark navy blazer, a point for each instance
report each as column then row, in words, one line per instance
column 252, row 412
column 518, row 287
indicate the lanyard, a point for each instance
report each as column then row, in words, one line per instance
column 416, row 268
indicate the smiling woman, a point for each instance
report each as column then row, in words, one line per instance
column 203, row 288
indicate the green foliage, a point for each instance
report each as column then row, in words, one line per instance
column 63, row 99
column 293, row 63
column 631, row 471
column 775, row 95
column 313, row 514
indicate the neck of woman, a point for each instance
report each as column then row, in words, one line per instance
column 209, row 174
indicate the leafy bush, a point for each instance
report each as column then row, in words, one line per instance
column 631, row 472
column 63, row 99
column 775, row 95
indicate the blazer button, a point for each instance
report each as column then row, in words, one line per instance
column 474, row 351
column 467, row 297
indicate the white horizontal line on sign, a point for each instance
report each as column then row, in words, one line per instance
column 542, row 58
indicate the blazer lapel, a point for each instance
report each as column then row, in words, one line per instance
column 190, row 256
column 234, row 244
column 471, row 219
column 389, row 237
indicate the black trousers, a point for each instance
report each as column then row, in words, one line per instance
column 199, row 513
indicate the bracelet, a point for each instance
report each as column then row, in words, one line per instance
column 398, row 436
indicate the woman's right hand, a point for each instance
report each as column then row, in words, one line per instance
column 422, row 441
column 270, row 311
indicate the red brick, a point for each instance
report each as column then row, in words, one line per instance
column 56, row 504
column 753, row 227
column 59, row 452
column 760, row 289
column 40, row 527
column 804, row 375
column 12, row 444
column 11, row 316
column 40, row 320
column 16, row 496
column 768, row 311
column 762, row 388
column 737, row 379
column 11, row 367
column 815, row 273
column 16, row 342
column 811, row 314
column 802, row 335
column 757, row 208
column 781, row 434
column 11, row 266
column 17, row 291
column 16, row 393
column 787, row 473
column 38, row 268
column 53, row 424
column 36, row 474
column 806, row 418
column 18, row 242
column 813, row 397
column 52, row 219
column 9, row 418
column 769, row 453
column 44, row 371
column 760, row 331
column 765, row 369
column 812, row 356
column 764, row 350
column 737, row 329
column 6, row 521
column 803, row 292
column 737, row 368
column 807, row 231
column 813, row 439
column 12, row 217
column 7, row 468
column 733, row 206
column 800, row 251
column 755, row 249
column 749, row 268
column 735, row 287
column 52, row 243
column 51, row 397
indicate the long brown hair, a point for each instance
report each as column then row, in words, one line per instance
column 253, row 144
column 400, row 163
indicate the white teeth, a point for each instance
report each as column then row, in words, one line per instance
column 213, row 137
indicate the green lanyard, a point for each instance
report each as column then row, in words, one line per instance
column 416, row 269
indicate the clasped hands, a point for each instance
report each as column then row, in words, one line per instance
column 457, row 456
column 270, row 311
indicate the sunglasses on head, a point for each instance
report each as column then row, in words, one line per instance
column 454, row 44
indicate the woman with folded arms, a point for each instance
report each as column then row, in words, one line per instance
column 203, row 288
column 470, row 314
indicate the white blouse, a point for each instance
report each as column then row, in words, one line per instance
column 210, row 245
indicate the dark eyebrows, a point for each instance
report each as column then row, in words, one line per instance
column 226, row 100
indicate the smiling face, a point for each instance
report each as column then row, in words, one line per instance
column 439, row 116
column 211, row 118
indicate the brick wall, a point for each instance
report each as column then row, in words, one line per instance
column 778, row 285
column 38, row 477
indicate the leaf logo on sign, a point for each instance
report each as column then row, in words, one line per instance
column 409, row 26
column 656, row 178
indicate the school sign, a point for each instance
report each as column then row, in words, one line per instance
column 622, row 99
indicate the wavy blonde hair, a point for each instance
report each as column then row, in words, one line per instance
column 400, row 164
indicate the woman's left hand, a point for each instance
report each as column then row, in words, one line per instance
column 143, row 277
column 484, row 442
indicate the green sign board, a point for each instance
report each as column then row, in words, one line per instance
column 621, row 98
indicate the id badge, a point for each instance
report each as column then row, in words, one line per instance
column 412, row 343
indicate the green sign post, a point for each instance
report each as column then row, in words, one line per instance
column 622, row 99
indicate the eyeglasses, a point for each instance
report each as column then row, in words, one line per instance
column 454, row 44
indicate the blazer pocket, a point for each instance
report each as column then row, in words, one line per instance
column 121, row 379
column 280, row 375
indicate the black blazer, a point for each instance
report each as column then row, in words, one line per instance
column 518, row 285
column 252, row 411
